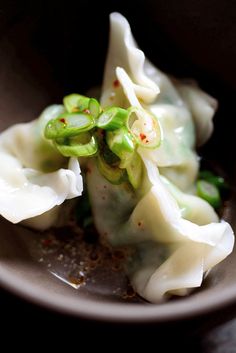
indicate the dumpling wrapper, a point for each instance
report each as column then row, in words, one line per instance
column 35, row 178
column 198, row 248
column 175, row 104
column 177, row 235
column 190, row 249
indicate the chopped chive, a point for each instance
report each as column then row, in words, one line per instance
column 208, row 192
column 75, row 102
column 112, row 118
column 68, row 125
column 71, row 148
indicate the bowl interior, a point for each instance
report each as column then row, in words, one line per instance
column 43, row 57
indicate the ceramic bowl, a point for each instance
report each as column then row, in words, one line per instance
column 44, row 55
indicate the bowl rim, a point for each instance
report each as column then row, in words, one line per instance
column 114, row 312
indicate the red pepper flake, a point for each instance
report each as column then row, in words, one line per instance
column 47, row 242
column 62, row 120
column 116, row 83
column 140, row 225
column 142, row 136
column 86, row 111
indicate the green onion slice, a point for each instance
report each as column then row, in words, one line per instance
column 144, row 127
column 134, row 170
column 94, row 107
column 112, row 118
column 218, row 181
column 68, row 125
column 120, row 142
column 76, row 102
column 208, row 192
column 114, row 175
column 72, row 147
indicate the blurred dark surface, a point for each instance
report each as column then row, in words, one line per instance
column 45, row 45
column 46, row 328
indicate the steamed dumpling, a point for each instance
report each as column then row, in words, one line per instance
column 35, row 178
column 183, row 111
column 177, row 235
column 202, row 107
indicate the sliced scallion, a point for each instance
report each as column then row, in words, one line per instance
column 94, row 107
column 120, row 142
column 208, row 192
column 134, row 170
column 112, row 118
column 114, row 175
column 144, row 127
column 68, row 125
column 71, row 147
column 76, row 102
column 218, row 181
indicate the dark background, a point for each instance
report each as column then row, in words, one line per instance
column 49, row 48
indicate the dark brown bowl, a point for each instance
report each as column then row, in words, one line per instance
column 49, row 50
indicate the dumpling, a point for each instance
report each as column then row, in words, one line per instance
column 202, row 107
column 177, row 236
column 35, row 178
column 159, row 221
column 156, row 92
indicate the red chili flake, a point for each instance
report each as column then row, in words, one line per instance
column 139, row 224
column 86, row 111
column 46, row 242
column 62, row 120
column 142, row 136
column 116, row 83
